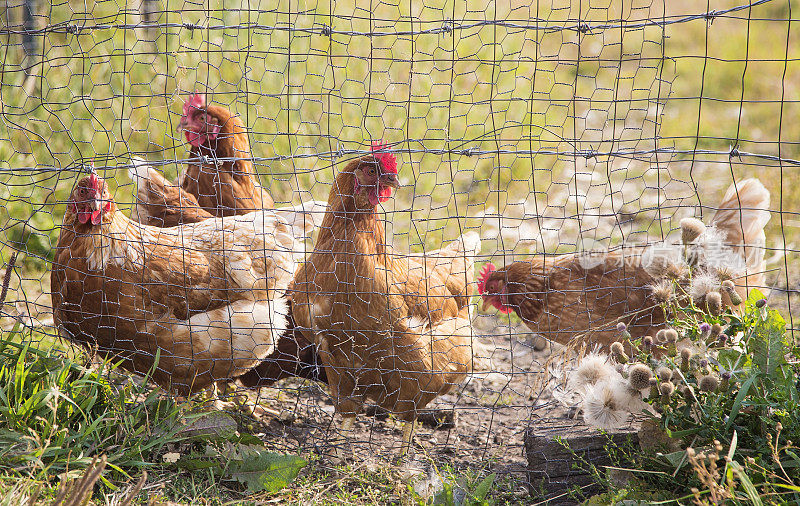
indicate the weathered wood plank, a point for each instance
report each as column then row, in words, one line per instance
column 559, row 450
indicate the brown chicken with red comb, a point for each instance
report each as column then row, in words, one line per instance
column 564, row 296
column 223, row 185
column 391, row 328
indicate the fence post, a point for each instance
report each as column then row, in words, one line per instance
column 29, row 44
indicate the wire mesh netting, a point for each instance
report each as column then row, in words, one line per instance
column 521, row 131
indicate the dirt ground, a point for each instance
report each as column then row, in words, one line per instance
column 492, row 411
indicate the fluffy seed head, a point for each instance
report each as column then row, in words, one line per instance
column 714, row 302
column 686, row 354
column 671, row 335
column 708, row 383
column 666, row 388
column 593, row 368
column 617, row 348
column 639, row 377
column 662, row 291
column 664, row 373
column 661, row 336
column 647, row 342
column 702, row 284
column 621, row 327
column 604, row 406
column 691, row 228
column 716, row 330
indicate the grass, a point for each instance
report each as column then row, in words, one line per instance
column 111, row 93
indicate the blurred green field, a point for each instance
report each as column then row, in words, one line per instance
column 433, row 78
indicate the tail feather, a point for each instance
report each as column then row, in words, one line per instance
column 741, row 217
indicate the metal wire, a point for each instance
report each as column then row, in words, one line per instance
column 551, row 128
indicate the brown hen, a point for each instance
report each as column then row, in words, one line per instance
column 209, row 297
column 391, row 328
column 569, row 295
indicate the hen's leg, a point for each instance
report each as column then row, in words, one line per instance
column 408, row 437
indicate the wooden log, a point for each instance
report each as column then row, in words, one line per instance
column 560, row 451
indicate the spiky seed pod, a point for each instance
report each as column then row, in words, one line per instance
column 666, row 389
column 730, row 289
column 618, row 351
column 691, row 228
column 653, row 384
column 639, row 377
column 661, row 336
column 714, row 303
column 663, row 291
column 688, row 394
column 724, row 272
column 708, row 383
column 664, row 373
column 623, row 330
column 726, row 381
column 686, row 358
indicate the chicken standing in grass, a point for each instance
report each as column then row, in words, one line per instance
column 567, row 295
column 209, row 298
column 392, row 328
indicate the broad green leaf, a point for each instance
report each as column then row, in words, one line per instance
column 265, row 471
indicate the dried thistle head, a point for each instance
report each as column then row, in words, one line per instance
column 593, row 367
column 705, row 330
column 666, row 389
column 686, row 354
column 671, row 335
column 730, row 289
column 701, row 285
column 661, row 336
column 639, row 376
column 648, row 342
column 714, row 303
column 708, row 383
column 604, row 405
column 618, row 352
column 662, row 291
column 725, row 272
column 716, row 330
column 664, row 373
column 691, row 229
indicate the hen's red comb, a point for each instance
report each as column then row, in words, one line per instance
column 197, row 101
column 387, row 160
column 485, row 272
column 94, row 180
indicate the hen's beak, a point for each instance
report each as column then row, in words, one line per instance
column 486, row 304
column 390, row 180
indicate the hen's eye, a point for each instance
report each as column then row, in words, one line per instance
column 372, row 171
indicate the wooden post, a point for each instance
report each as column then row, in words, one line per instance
column 559, row 452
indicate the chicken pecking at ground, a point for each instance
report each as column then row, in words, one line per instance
column 223, row 185
column 563, row 296
column 391, row 328
column 209, row 297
